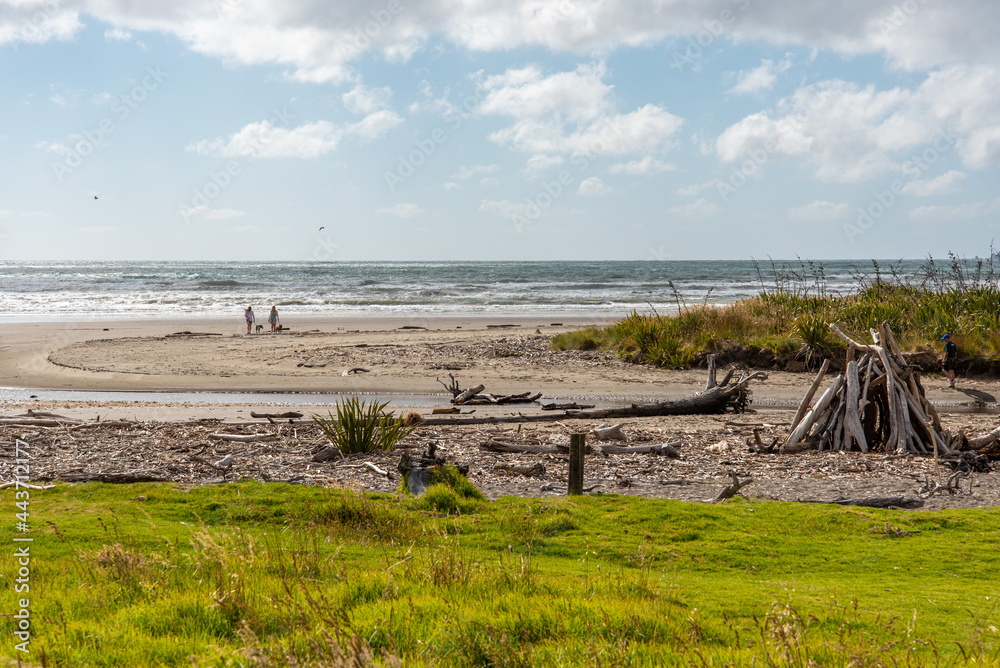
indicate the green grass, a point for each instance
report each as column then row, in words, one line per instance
column 251, row 575
column 790, row 322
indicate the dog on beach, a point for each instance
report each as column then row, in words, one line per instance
column 259, row 328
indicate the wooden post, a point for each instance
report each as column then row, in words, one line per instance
column 577, row 445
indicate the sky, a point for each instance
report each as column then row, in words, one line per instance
column 498, row 129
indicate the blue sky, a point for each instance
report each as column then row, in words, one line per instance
column 477, row 129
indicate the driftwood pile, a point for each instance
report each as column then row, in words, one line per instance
column 876, row 405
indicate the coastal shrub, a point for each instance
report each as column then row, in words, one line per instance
column 791, row 318
column 363, row 427
column 590, row 338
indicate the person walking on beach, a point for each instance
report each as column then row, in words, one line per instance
column 949, row 361
column 273, row 319
column 248, row 316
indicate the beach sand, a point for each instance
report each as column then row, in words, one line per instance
column 403, row 358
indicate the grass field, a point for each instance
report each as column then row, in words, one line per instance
column 251, row 574
column 790, row 319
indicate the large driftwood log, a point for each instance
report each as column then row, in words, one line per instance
column 290, row 415
column 878, row 502
column 106, row 423
column 807, row 400
column 982, row 441
column 802, row 430
column 30, row 422
column 667, row 449
column 468, row 394
column 241, row 438
column 113, row 478
column 514, row 449
column 716, row 400
column 853, row 431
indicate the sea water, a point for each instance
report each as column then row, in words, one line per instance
column 134, row 289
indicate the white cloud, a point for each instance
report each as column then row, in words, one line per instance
column 317, row 41
column 57, row 147
column 943, row 214
column 593, row 187
column 468, row 172
column 648, row 165
column 760, row 78
column 580, row 95
column 37, row 23
column 947, row 183
column 309, row 141
column 695, row 188
column 541, row 162
column 647, row 128
column 401, row 210
column 364, row 100
column 262, row 140
column 819, row 211
column 451, row 185
column 513, row 211
column 102, row 99
column 64, row 96
column 117, row 35
column 701, row 208
column 981, row 149
column 571, row 113
column 848, row 134
column 490, row 181
column 375, row 124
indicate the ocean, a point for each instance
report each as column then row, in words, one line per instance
column 133, row 289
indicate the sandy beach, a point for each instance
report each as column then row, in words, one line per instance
column 402, row 359
column 401, row 356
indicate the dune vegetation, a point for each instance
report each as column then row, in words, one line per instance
column 790, row 319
